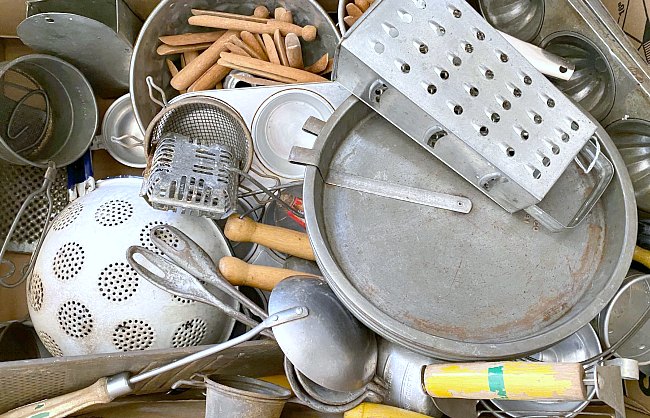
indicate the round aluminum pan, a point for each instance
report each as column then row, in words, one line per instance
column 522, row 19
column 170, row 17
column 580, row 346
column 277, row 127
column 623, row 312
column 483, row 285
column 119, row 123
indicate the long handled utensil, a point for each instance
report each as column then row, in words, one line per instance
column 240, row 273
column 108, row 388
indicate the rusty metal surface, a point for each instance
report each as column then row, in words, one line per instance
column 486, row 284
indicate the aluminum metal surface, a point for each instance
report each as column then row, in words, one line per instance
column 330, row 334
column 611, row 78
column 624, row 310
column 390, row 190
column 522, row 131
column 245, row 397
column 459, row 286
column 75, row 33
column 580, row 346
column 521, row 19
column 170, row 17
column 121, row 135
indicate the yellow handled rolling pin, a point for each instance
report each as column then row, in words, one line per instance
column 373, row 410
column 641, row 256
column 513, row 380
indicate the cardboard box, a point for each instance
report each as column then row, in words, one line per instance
column 633, row 17
column 12, row 12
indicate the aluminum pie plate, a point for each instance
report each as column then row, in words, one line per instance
column 580, row 346
column 277, row 127
column 482, row 285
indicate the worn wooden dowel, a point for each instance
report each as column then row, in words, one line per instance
column 237, row 41
column 210, row 78
column 299, row 76
column 308, row 33
column 319, row 66
column 191, row 38
column 294, row 51
column 171, row 50
column 349, row 20
column 257, row 72
column 283, row 15
column 261, row 11
column 278, row 39
column 251, row 41
column 236, row 50
column 271, row 51
column 189, row 56
column 198, row 12
column 363, row 5
column 353, row 10
column 252, row 80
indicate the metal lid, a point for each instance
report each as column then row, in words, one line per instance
column 122, row 137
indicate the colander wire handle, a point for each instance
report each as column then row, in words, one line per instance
column 48, row 180
column 198, row 263
column 152, row 86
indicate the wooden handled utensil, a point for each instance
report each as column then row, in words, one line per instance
column 294, row 51
column 308, row 33
column 274, row 237
column 240, row 273
column 514, row 380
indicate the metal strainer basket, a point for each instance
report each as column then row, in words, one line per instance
column 207, row 121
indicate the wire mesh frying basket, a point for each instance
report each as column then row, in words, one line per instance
column 196, row 149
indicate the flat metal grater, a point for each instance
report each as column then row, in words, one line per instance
column 439, row 72
column 191, row 178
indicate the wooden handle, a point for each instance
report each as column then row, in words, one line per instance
column 294, row 51
column 320, row 65
column 250, row 52
column 199, row 12
column 373, row 410
column 261, row 11
column 268, row 70
column 240, row 273
column 251, row 41
column 641, row 256
column 278, row 40
column 274, row 237
column 308, row 33
column 271, row 51
column 362, row 4
column 64, row 405
column 188, row 75
column 283, row 15
column 170, row 50
column 191, row 38
column 210, row 79
column 190, row 56
column 514, row 380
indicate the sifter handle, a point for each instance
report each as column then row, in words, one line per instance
column 641, row 256
column 240, row 273
column 274, row 237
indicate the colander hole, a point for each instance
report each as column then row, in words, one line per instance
column 118, row 282
column 480, row 35
column 133, row 334
column 527, row 80
column 458, row 110
column 35, row 296
column 67, row 216
column 113, row 213
column 495, row 117
column 75, row 319
column 190, row 333
column 506, row 105
column 50, row 344
column 489, row 74
column 510, row 152
column 524, row 135
column 546, row 161
column 68, row 261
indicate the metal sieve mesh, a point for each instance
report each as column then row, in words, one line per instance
column 75, row 319
column 133, row 334
column 113, row 212
column 118, row 282
column 189, row 333
column 68, row 261
column 208, row 122
column 18, row 182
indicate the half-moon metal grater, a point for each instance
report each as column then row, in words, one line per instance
column 439, row 72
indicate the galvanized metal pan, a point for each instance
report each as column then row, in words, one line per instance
column 482, row 285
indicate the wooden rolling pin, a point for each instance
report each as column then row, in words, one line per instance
column 373, row 410
column 268, row 70
column 642, row 256
column 308, row 33
column 188, row 75
column 274, row 237
column 515, row 380
column 240, row 273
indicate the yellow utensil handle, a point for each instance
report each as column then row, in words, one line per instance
column 372, row 410
column 64, row 405
column 506, row 380
column 274, row 237
column 641, row 256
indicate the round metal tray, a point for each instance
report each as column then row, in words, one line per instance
column 486, row 284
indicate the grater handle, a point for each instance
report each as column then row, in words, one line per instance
column 605, row 170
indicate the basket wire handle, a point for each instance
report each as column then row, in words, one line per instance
column 152, row 86
column 266, row 191
column 21, row 102
column 46, row 187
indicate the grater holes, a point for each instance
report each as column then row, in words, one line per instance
column 510, row 152
column 432, row 89
column 575, row 126
column 75, row 319
column 489, row 74
column 506, row 105
column 67, row 216
column 456, row 13
column 527, row 80
column 35, row 292
column 435, row 137
column 546, row 161
column 458, row 110
column 444, row 74
column 118, row 282
column 68, row 261
column 484, row 131
column 423, row 48
column 145, row 241
column 405, row 68
column 132, row 335
column 537, row 118
column 437, row 28
column 537, row 174
column 50, row 344
column 495, row 117
column 555, row 149
column 516, row 92
column 479, row 35
column 420, row 4
column 114, row 212
column 473, row 91
column 565, row 137
column 189, row 333
column 469, row 48
column 550, row 103
column 524, row 135
column 503, row 57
